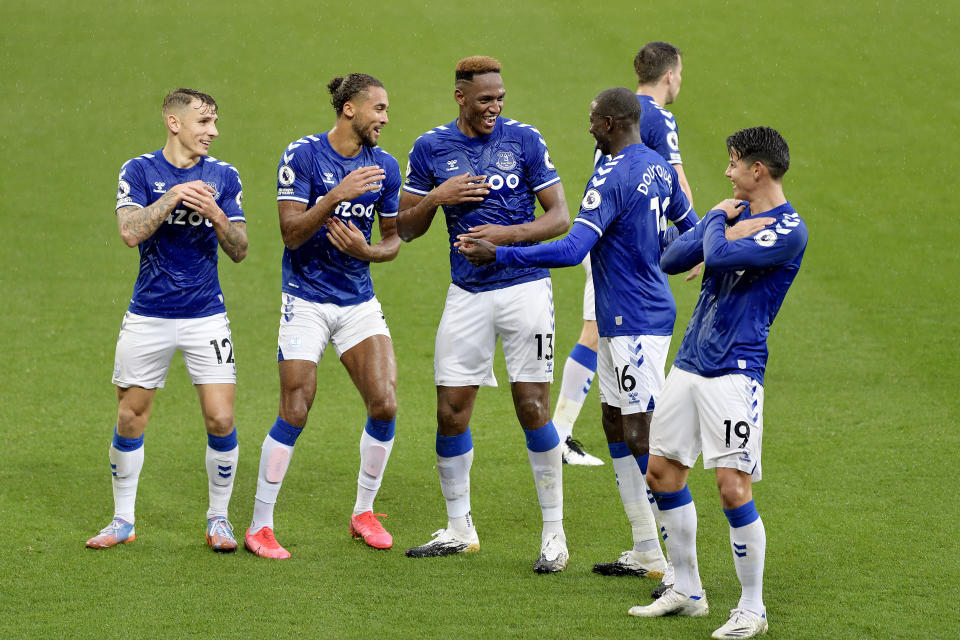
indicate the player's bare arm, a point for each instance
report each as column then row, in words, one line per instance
column 417, row 212
column 298, row 223
column 554, row 221
column 136, row 224
column 232, row 236
column 347, row 238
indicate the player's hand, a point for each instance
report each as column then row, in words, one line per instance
column 497, row 234
column 200, row 197
column 347, row 238
column 358, row 182
column 477, row 251
column 731, row 206
column 693, row 273
column 460, row 189
column 747, row 228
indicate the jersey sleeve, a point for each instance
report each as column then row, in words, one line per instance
column 389, row 204
column 685, row 252
column 602, row 201
column 566, row 252
column 772, row 246
column 231, row 198
column 538, row 167
column 132, row 188
column 680, row 211
column 419, row 178
column 295, row 173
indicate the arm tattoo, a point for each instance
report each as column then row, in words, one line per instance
column 234, row 241
column 140, row 224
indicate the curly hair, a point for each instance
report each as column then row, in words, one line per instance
column 474, row 65
column 344, row 89
column 763, row 145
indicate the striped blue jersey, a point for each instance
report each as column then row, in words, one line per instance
column 515, row 159
column 178, row 263
column 744, row 284
column 317, row 271
column 628, row 202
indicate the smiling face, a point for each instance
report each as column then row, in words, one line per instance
column 197, row 128
column 742, row 176
column 369, row 114
column 481, row 102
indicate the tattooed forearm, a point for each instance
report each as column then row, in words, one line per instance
column 136, row 225
column 233, row 240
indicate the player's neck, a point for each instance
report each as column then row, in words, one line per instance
column 344, row 141
column 767, row 199
column 657, row 92
column 619, row 144
column 178, row 156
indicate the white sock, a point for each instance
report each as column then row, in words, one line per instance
column 274, row 461
column 680, row 537
column 633, row 495
column 749, row 546
column 455, row 485
column 126, row 466
column 373, row 460
column 221, row 471
column 547, row 469
column 574, row 386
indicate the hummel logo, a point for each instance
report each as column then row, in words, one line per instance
column 328, row 178
column 452, row 165
column 158, row 187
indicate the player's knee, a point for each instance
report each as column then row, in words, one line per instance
column 532, row 411
column 383, row 407
column 294, row 407
column 734, row 490
column 220, row 424
column 132, row 419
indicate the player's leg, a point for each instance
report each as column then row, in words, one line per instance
column 674, row 448
column 578, row 373
column 373, row 368
column 525, row 322
column 733, row 431
column 144, row 349
column 463, row 360
column 222, row 454
column 304, row 333
column 208, row 353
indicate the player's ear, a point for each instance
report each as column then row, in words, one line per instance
column 458, row 96
column 348, row 109
column 173, row 123
column 759, row 170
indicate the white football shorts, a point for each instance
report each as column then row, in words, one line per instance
column 146, row 346
column 520, row 315
column 630, row 371
column 720, row 417
column 589, row 303
column 306, row 328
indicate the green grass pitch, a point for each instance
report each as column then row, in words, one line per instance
column 860, row 496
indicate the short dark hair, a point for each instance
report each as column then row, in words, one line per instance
column 184, row 98
column 343, row 89
column 620, row 104
column 654, row 60
column 763, row 145
column 469, row 67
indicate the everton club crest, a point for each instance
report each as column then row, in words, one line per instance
column 505, row 160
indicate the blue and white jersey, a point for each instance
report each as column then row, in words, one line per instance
column 744, row 284
column 515, row 159
column 658, row 130
column 627, row 204
column 317, row 271
column 178, row 263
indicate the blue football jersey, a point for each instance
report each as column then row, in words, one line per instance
column 744, row 284
column 515, row 159
column 317, row 271
column 178, row 263
column 627, row 203
column 658, row 130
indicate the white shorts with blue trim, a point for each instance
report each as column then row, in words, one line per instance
column 146, row 346
column 720, row 417
column 630, row 371
column 306, row 328
column 521, row 315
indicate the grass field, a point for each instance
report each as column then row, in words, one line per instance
column 862, row 523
